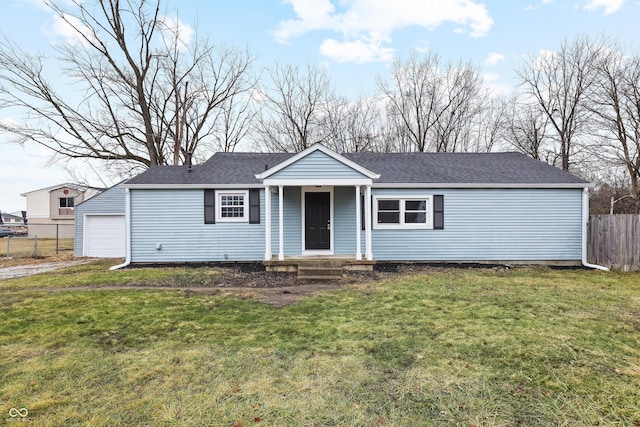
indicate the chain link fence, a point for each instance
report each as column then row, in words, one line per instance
column 41, row 240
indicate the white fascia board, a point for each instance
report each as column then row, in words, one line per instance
column 190, row 186
column 325, row 150
column 314, row 182
column 479, row 185
column 55, row 187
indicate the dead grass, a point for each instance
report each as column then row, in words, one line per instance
column 23, row 248
column 532, row 347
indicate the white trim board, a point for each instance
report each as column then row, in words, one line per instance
column 430, row 185
column 317, row 189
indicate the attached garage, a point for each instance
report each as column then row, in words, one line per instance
column 100, row 225
column 104, row 236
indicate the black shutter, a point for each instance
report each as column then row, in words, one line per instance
column 438, row 212
column 209, row 206
column 254, row 205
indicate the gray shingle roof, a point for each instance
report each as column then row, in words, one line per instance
column 411, row 168
column 461, row 168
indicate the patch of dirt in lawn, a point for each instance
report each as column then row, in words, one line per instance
column 278, row 289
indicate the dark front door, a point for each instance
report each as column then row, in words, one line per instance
column 317, row 211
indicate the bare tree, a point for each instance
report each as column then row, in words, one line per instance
column 559, row 82
column 293, row 108
column 203, row 94
column 433, row 106
column 483, row 132
column 357, row 126
column 413, row 93
column 616, row 107
column 458, row 107
column 138, row 102
column 525, row 128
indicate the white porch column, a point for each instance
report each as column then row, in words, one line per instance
column 358, row 225
column 367, row 223
column 281, row 221
column 267, row 223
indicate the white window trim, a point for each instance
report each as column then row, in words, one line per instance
column 320, row 189
column 428, row 225
column 244, row 193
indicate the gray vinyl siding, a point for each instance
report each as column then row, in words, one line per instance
column 317, row 165
column 479, row 225
column 491, row 225
column 345, row 221
column 175, row 220
column 292, row 222
column 110, row 201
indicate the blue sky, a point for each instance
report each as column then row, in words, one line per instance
column 354, row 40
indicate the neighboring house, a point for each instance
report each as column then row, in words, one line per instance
column 99, row 225
column 422, row 207
column 12, row 220
column 50, row 211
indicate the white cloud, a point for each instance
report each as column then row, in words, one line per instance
column 71, row 29
column 367, row 26
column 544, row 57
column 356, row 51
column 610, row 6
column 175, row 27
column 496, row 85
column 493, row 58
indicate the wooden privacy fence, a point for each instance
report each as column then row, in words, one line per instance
column 614, row 241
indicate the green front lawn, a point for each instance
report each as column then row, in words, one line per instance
column 440, row 347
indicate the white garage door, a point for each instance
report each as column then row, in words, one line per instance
column 104, row 236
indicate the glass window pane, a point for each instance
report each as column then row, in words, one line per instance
column 232, row 212
column 389, row 205
column 388, row 217
column 415, row 205
column 415, row 218
column 63, row 202
column 232, row 200
column 70, row 202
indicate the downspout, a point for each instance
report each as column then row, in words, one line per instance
column 585, row 221
column 127, row 231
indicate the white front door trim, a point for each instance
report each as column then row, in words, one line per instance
column 317, row 189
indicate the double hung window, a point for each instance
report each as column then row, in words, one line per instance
column 232, row 206
column 403, row 212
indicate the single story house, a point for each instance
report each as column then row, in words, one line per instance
column 416, row 207
column 99, row 225
column 50, row 210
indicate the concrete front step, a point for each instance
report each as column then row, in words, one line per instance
column 318, row 272
column 320, row 268
column 319, row 278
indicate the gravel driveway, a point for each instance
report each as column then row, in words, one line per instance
column 29, row 270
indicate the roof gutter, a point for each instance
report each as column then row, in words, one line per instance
column 585, row 222
column 127, row 231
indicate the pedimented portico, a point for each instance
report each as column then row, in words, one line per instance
column 314, row 176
